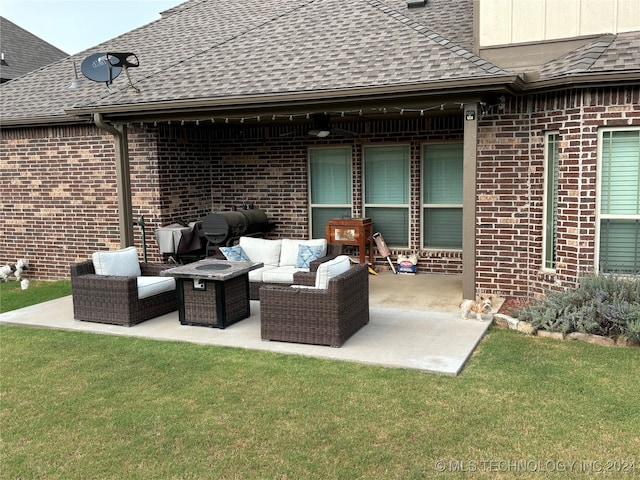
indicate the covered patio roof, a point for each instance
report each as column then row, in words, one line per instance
column 209, row 59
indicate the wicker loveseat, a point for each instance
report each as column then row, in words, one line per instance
column 320, row 316
column 115, row 299
column 280, row 258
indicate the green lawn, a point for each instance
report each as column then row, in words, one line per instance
column 86, row 406
column 13, row 297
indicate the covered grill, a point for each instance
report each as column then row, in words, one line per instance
column 223, row 228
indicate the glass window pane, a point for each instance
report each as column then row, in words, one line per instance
column 321, row 215
column 392, row 223
column 442, row 173
column 551, row 200
column 387, row 175
column 443, row 228
column 620, row 194
column 620, row 246
column 330, row 172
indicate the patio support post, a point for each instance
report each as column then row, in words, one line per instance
column 123, row 179
column 471, row 113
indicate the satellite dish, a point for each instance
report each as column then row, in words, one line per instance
column 98, row 68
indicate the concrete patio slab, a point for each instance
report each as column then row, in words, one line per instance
column 433, row 341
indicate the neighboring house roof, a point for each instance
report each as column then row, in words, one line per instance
column 23, row 52
column 206, row 54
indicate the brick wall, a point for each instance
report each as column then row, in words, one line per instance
column 57, row 189
column 264, row 168
column 511, row 186
column 59, row 203
column 59, row 200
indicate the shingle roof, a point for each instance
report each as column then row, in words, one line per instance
column 23, row 51
column 608, row 53
column 211, row 51
column 308, row 48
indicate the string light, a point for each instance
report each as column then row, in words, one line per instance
column 420, row 110
column 310, row 115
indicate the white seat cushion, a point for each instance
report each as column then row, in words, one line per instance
column 256, row 275
column 150, row 286
column 261, row 250
column 330, row 269
column 281, row 274
column 117, row 262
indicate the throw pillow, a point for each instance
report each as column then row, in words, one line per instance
column 307, row 254
column 117, row 262
column 234, row 254
column 289, row 251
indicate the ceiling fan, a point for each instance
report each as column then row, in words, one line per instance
column 321, row 127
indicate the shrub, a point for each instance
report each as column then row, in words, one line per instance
column 601, row 305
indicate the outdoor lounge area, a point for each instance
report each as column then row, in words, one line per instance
column 414, row 323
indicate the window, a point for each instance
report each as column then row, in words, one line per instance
column 619, row 213
column 442, row 195
column 386, row 192
column 330, row 187
column 550, row 213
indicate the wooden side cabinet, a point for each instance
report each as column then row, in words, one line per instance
column 352, row 231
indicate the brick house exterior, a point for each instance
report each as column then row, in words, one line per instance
column 59, row 181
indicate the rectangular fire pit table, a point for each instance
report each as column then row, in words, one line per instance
column 212, row 293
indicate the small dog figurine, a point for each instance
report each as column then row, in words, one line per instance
column 20, row 266
column 16, row 269
column 5, row 272
column 468, row 306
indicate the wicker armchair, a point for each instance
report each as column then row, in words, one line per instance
column 317, row 316
column 114, row 299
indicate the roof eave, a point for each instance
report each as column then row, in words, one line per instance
column 505, row 83
column 44, row 121
column 605, row 79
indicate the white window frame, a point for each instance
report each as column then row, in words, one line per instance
column 545, row 206
column 599, row 215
